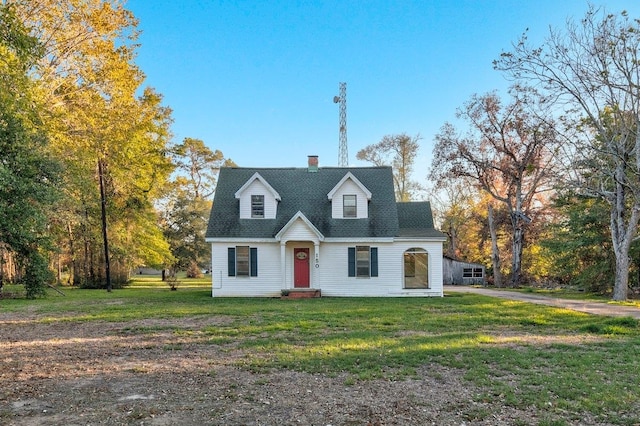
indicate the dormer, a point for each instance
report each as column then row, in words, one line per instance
column 349, row 199
column 258, row 199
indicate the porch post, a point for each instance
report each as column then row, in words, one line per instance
column 316, row 265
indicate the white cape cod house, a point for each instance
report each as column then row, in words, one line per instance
column 335, row 230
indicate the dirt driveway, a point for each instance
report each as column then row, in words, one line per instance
column 165, row 371
column 119, row 373
column 597, row 308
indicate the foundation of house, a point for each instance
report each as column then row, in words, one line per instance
column 300, row 293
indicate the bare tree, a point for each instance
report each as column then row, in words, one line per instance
column 591, row 71
column 398, row 151
column 452, row 206
column 507, row 151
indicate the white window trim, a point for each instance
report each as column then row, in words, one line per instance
column 354, row 206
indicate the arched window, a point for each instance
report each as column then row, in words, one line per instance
column 416, row 268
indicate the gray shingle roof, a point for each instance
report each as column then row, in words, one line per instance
column 416, row 220
column 306, row 191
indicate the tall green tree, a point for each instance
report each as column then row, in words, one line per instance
column 591, row 72
column 580, row 243
column 112, row 139
column 188, row 202
column 28, row 174
column 199, row 166
column 399, row 152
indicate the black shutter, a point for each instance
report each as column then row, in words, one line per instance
column 231, row 261
column 352, row 261
column 374, row 261
column 253, row 260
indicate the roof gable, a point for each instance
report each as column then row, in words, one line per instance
column 256, row 176
column 355, row 180
column 302, row 218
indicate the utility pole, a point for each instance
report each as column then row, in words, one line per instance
column 105, row 239
column 343, row 154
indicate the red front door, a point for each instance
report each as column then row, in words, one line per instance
column 301, row 267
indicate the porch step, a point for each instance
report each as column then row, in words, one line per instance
column 300, row 293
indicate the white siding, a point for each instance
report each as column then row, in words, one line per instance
column 334, row 280
column 257, row 188
column 331, row 275
column 268, row 283
column 349, row 188
column 333, row 271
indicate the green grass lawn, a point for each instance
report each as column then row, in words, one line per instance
column 155, row 281
column 560, row 361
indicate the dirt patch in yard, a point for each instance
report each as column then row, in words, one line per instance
column 144, row 373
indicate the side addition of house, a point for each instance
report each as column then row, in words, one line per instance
column 338, row 231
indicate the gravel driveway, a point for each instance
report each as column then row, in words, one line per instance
column 590, row 307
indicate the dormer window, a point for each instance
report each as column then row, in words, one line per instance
column 257, row 199
column 349, row 199
column 349, row 206
column 257, row 206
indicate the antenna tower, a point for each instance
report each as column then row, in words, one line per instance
column 343, row 155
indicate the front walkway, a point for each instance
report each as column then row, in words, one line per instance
column 590, row 307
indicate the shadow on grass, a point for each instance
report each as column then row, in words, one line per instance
column 519, row 354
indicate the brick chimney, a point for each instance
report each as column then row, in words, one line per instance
column 313, row 164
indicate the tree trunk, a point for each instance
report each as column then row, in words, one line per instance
column 58, row 269
column 105, row 239
column 85, row 277
column 495, row 256
column 516, row 258
column 2, row 263
column 621, row 236
column 623, row 231
column 453, row 242
column 72, row 253
column 621, row 283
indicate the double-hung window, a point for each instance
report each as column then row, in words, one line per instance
column 242, row 261
column 349, row 206
column 257, row 206
column 362, row 261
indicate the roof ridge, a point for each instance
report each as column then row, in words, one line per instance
column 304, row 168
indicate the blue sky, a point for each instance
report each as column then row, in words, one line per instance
column 256, row 79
